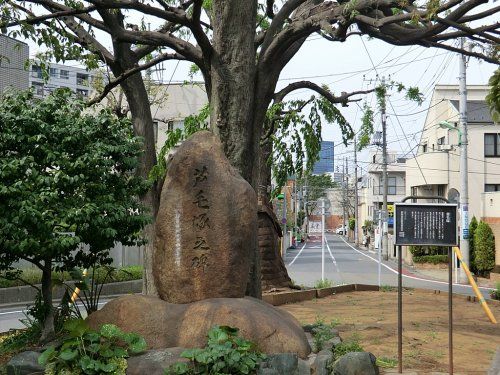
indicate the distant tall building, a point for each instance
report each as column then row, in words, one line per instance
column 13, row 57
column 325, row 162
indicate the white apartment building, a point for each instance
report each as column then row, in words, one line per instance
column 370, row 189
column 77, row 79
column 435, row 171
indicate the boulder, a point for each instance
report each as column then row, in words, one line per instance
column 205, row 227
column 320, row 364
column 283, row 364
column 165, row 325
column 154, row 362
column 25, row 363
column 355, row 363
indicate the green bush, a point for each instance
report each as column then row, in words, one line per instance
column 323, row 283
column 346, row 347
column 428, row 250
column 225, row 353
column 33, row 276
column 434, row 259
column 88, row 352
column 472, row 229
column 352, row 223
column 484, row 248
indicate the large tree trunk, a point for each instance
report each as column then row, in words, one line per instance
column 48, row 332
column 232, row 90
column 140, row 111
column 273, row 270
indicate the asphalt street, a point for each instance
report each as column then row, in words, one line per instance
column 344, row 264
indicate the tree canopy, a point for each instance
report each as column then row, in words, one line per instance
column 66, row 179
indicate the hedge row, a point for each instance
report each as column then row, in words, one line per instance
column 434, row 259
column 34, row 276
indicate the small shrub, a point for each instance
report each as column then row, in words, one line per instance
column 433, row 259
column 88, row 352
column 419, row 251
column 495, row 294
column 322, row 332
column 484, row 246
column 323, row 284
column 472, row 229
column 225, row 353
column 352, row 223
column 346, row 347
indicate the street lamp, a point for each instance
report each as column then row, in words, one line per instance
column 447, row 125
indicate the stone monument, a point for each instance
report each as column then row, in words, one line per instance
column 205, row 225
column 204, row 239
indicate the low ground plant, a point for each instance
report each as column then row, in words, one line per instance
column 386, row 362
column 84, row 351
column 345, row 347
column 226, row 353
column 433, row 259
column 322, row 332
column 495, row 293
column 323, row 284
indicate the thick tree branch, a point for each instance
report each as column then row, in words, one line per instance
column 122, row 77
column 35, row 20
column 470, row 31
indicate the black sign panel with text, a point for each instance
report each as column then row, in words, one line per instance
column 425, row 224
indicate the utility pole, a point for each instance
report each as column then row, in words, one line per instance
column 345, row 182
column 464, row 188
column 356, row 225
column 322, row 239
column 385, row 249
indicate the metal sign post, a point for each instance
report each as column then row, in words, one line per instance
column 425, row 224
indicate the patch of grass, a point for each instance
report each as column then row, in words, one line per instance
column 323, row 284
column 322, row 332
column 386, row 362
column 388, row 288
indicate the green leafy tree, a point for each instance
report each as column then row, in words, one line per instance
column 484, row 248
column 66, row 178
column 472, row 230
column 315, row 186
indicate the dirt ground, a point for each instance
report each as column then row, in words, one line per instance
column 371, row 318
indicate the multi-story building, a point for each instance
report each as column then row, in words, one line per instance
column 172, row 103
column 371, row 190
column 435, row 171
column 77, row 79
column 13, row 56
column 326, row 157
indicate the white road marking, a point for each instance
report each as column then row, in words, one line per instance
column 296, row 256
column 407, row 276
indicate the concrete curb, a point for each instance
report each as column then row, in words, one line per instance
column 26, row 294
column 307, row 295
column 495, row 363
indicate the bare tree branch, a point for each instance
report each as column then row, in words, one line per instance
column 122, row 77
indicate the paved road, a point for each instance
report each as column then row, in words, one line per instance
column 346, row 264
column 343, row 264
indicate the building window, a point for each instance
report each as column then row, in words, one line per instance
column 440, row 141
column 441, row 190
column 82, row 93
column 424, row 148
column 64, row 74
column 491, row 187
column 391, row 185
column 492, row 144
column 37, row 88
column 36, row 71
column 82, row 79
column 53, row 72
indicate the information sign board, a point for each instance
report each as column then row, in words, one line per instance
column 425, row 224
column 315, row 227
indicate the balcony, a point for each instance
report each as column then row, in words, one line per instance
column 391, row 190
